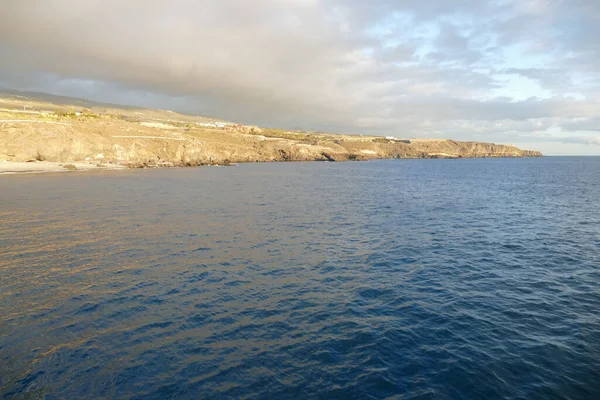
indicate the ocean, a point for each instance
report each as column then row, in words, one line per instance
column 401, row 279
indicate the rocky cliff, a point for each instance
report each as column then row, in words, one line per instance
column 46, row 132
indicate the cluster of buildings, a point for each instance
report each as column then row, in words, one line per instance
column 213, row 124
column 395, row 139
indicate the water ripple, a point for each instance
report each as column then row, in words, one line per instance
column 414, row 279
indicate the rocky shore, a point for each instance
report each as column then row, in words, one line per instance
column 118, row 138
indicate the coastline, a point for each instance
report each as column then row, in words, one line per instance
column 48, row 139
column 41, row 167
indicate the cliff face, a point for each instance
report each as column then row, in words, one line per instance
column 144, row 139
column 454, row 149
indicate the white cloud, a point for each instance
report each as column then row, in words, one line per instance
column 384, row 66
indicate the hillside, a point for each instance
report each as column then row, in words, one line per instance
column 45, row 130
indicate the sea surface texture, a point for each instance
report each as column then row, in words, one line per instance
column 407, row 279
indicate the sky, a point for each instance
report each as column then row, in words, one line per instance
column 522, row 72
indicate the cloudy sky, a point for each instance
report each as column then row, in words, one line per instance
column 524, row 72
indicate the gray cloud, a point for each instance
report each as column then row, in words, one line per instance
column 385, row 66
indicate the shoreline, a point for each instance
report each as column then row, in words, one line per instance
column 108, row 138
column 41, row 167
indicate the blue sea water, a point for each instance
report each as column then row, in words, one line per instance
column 407, row 279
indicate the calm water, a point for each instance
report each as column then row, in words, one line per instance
column 409, row 279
